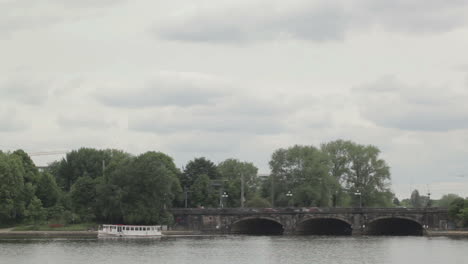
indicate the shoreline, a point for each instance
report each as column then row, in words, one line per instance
column 94, row 234
column 82, row 234
column 449, row 233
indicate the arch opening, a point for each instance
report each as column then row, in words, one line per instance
column 257, row 226
column 324, row 227
column 394, row 227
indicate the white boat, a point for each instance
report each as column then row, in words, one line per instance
column 129, row 231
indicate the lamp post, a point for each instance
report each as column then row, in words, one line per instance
column 224, row 195
column 289, row 195
column 360, row 197
column 242, row 189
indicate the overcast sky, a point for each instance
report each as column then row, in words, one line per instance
column 241, row 78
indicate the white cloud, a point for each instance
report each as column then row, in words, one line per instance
column 10, row 121
column 165, row 89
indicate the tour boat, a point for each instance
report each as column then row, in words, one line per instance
column 129, row 231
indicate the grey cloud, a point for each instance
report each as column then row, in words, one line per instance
column 331, row 21
column 318, row 24
column 25, row 91
column 174, row 89
column 33, row 14
column 417, row 16
column 10, row 122
column 215, row 124
column 421, row 108
column 237, row 114
column 89, row 122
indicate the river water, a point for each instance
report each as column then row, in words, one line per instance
column 237, row 249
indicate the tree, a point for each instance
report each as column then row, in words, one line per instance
column 191, row 174
column 78, row 163
column 257, row 202
column 197, row 167
column 234, row 172
column 47, row 190
column 35, row 213
column 145, row 187
column 12, row 188
column 446, row 200
column 458, row 211
column 304, row 170
column 31, row 173
column 83, row 196
column 358, row 168
column 416, row 199
column 203, row 193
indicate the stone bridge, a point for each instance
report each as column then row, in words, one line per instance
column 313, row 221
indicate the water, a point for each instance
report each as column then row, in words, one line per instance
column 237, row 249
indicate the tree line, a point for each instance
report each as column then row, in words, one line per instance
column 112, row 186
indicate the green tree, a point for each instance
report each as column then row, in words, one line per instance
column 368, row 174
column 83, row 196
column 416, row 199
column 257, row 202
column 12, row 188
column 31, row 173
column 446, row 200
column 203, row 193
column 197, row 167
column 78, row 163
column 303, row 170
column 234, row 172
column 35, row 213
column 47, row 190
column 145, row 187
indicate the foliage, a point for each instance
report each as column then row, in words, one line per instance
column 203, row 193
column 14, row 196
column 458, row 211
column 257, row 202
column 300, row 166
column 197, row 167
column 416, row 199
column 233, row 171
column 35, row 213
column 446, row 200
column 47, row 190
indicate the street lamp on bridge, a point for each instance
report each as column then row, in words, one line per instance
column 360, row 197
column 223, row 196
column 289, row 195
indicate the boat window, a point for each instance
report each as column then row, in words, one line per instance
column 131, row 228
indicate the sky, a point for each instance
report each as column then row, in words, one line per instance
column 239, row 79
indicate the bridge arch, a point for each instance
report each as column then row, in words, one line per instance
column 331, row 226
column 257, row 226
column 394, row 226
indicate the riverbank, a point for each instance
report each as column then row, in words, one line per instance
column 11, row 233
column 448, row 233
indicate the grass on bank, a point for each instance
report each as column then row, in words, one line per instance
column 47, row 227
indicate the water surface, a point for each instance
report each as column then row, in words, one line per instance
column 237, row 249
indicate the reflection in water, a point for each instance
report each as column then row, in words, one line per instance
column 324, row 226
column 237, row 249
